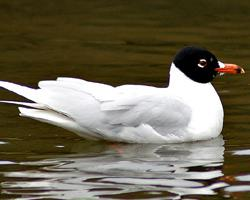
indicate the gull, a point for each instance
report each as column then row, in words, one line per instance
column 189, row 109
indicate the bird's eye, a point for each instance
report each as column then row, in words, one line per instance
column 202, row 63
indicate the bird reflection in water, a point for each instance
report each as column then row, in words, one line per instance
column 148, row 170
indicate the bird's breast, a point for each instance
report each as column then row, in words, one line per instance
column 207, row 115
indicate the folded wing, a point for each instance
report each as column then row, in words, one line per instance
column 127, row 113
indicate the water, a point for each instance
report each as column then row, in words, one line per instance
column 119, row 42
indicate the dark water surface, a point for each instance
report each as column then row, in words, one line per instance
column 119, row 42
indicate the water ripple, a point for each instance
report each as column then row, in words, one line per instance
column 183, row 169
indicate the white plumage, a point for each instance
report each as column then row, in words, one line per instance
column 128, row 113
column 188, row 110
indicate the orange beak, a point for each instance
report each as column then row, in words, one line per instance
column 230, row 69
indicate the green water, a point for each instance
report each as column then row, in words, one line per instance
column 118, row 42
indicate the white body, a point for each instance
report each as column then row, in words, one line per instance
column 185, row 111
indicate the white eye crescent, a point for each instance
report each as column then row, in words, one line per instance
column 202, row 63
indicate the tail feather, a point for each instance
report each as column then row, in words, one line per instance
column 57, row 119
column 54, row 103
column 29, row 93
column 31, row 105
column 48, row 116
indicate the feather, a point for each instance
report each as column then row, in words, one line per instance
column 101, row 111
column 29, row 93
column 31, row 105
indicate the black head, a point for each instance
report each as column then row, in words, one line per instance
column 197, row 63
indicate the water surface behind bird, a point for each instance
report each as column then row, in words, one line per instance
column 119, row 42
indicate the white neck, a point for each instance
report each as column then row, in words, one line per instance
column 207, row 111
column 178, row 80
